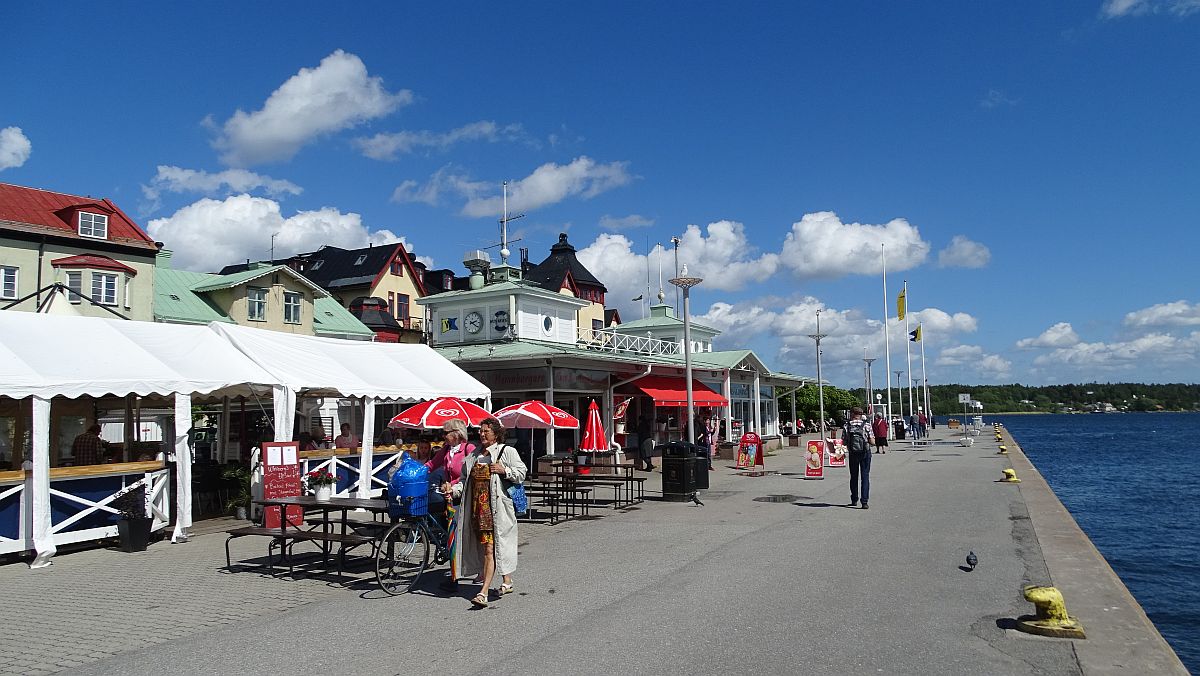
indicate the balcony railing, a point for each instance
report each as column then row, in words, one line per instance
column 609, row 340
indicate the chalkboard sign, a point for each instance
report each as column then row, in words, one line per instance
column 281, row 479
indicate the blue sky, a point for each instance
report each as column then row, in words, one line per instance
column 1030, row 166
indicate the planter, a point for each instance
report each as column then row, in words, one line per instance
column 324, row 493
column 134, row 534
column 966, row 441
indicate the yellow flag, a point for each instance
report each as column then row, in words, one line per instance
column 900, row 306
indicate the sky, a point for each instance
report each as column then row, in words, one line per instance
column 1028, row 168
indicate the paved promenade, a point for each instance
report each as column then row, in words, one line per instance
column 773, row 574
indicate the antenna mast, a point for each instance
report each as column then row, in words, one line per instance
column 504, row 252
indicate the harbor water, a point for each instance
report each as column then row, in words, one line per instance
column 1132, row 482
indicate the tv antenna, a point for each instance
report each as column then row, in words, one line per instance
column 504, row 252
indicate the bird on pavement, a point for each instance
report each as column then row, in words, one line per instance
column 696, row 499
column 972, row 560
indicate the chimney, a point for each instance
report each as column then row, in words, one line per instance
column 163, row 259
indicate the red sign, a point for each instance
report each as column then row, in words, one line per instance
column 750, row 451
column 281, row 479
column 835, row 453
column 814, row 466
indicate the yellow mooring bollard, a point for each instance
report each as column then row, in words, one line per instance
column 1051, row 618
column 1010, row 477
column 1003, row 450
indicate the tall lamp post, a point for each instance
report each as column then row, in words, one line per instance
column 900, row 391
column 686, row 283
column 820, row 387
column 869, row 397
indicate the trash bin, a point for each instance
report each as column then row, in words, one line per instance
column 679, row 463
column 700, row 466
column 898, row 426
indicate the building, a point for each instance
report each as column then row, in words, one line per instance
column 561, row 272
column 86, row 244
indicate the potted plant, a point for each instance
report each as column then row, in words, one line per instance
column 133, row 526
column 320, row 482
column 238, row 478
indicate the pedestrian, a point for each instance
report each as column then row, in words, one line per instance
column 922, row 422
column 856, row 435
column 645, row 432
column 880, row 430
column 88, row 448
column 487, row 520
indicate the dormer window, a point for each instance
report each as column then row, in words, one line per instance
column 447, row 281
column 360, row 260
column 93, row 225
column 397, row 267
column 317, row 265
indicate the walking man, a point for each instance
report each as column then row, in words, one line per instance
column 857, row 436
column 645, row 432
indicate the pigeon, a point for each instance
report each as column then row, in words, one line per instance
column 696, row 499
column 972, row 560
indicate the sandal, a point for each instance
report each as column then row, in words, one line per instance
column 506, row 588
column 480, row 600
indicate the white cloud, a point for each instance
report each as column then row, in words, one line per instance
column 974, row 359
column 937, row 322
column 821, row 245
column 443, row 181
column 996, row 98
column 1113, row 9
column 629, row 222
column 180, row 180
column 964, row 253
column 335, row 95
column 388, row 146
column 1155, row 350
column 15, row 148
column 1178, row 313
column 552, row 183
column 1059, row 335
column 210, row 234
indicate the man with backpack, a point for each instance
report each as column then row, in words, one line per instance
column 857, row 437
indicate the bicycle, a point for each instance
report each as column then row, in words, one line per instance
column 404, row 552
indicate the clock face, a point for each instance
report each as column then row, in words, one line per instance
column 474, row 322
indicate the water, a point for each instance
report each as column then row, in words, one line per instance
column 1131, row 482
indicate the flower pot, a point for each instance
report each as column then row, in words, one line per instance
column 241, row 513
column 324, row 493
column 134, row 534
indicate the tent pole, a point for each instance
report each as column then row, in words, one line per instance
column 43, row 534
column 183, row 468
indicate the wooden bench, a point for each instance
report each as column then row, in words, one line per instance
column 559, row 495
column 286, row 538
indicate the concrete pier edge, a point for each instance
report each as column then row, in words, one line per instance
column 1121, row 639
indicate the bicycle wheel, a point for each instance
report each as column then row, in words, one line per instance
column 402, row 556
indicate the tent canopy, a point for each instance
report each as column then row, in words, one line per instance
column 329, row 366
column 49, row 356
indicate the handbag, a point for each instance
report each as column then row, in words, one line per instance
column 516, row 493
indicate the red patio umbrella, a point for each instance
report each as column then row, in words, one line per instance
column 431, row 414
column 594, row 438
column 536, row 415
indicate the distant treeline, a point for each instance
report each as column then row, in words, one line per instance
column 1060, row 398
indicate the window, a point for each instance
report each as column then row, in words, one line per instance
column 391, row 308
column 128, row 285
column 447, row 281
column 397, row 267
column 291, row 307
column 317, row 265
column 93, row 225
column 256, row 304
column 8, row 282
column 75, row 283
column 361, row 258
column 104, row 288
column 402, row 308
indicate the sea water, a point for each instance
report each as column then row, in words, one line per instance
column 1132, row 482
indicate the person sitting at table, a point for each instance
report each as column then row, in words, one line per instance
column 487, row 521
column 305, row 440
column 346, row 439
column 88, row 448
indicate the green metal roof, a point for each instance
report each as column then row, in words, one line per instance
column 175, row 301
column 664, row 322
column 331, row 319
column 219, row 282
column 500, row 288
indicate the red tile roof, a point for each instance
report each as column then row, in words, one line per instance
column 92, row 261
column 42, row 211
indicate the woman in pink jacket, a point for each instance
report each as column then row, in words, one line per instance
column 452, row 452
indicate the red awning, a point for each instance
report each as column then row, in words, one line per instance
column 666, row 391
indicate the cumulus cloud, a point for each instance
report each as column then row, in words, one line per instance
column 1179, row 313
column 389, row 146
column 821, row 245
column 964, row 253
column 210, row 234
column 974, row 359
column 1145, row 352
column 337, row 94
column 1113, row 9
column 446, row 180
column 1059, row 335
column 180, row 180
column 15, row 148
column 629, row 222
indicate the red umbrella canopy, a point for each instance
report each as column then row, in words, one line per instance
column 431, row 414
column 593, row 433
column 536, row 415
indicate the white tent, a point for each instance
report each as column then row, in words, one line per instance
column 45, row 356
column 373, row 371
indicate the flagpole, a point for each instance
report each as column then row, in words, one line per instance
column 908, row 350
column 887, row 345
column 924, row 379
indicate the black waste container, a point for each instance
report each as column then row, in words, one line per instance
column 898, row 426
column 679, row 464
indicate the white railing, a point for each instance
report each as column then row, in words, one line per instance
column 609, row 340
column 347, row 469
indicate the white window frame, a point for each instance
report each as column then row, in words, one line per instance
column 128, row 287
column 101, row 296
column 361, row 258
column 15, row 272
column 97, row 228
column 252, row 303
column 77, row 275
column 292, row 300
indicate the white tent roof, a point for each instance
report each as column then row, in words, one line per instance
column 353, row 368
column 50, row 355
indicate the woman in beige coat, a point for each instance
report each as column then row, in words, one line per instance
column 487, row 521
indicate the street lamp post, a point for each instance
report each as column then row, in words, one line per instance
column 900, row 391
column 820, row 387
column 868, row 361
column 686, row 283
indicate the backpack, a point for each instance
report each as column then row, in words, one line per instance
column 856, row 438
